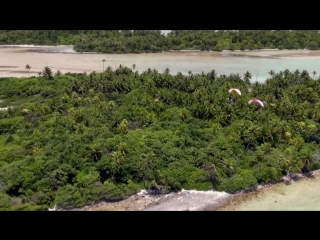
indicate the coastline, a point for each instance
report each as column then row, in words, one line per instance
column 262, row 194
column 15, row 57
column 184, row 200
column 176, row 201
column 191, row 200
column 71, row 50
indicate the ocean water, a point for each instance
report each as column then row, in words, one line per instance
column 302, row 195
column 13, row 61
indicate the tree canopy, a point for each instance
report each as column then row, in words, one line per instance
column 76, row 139
column 139, row 41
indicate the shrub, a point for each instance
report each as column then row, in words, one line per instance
column 244, row 179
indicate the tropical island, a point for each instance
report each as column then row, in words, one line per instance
column 146, row 41
column 77, row 139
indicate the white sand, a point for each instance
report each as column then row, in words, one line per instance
column 191, row 200
column 134, row 203
column 13, row 60
column 298, row 195
column 186, row 200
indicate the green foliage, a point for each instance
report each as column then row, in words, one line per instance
column 28, row 207
column 266, row 174
column 71, row 196
column 139, row 41
column 5, row 201
column 84, row 180
column 181, row 175
column 77, row 139
column 244, row 179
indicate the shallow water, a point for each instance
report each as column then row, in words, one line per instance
column 14, row 59
column 303, row 195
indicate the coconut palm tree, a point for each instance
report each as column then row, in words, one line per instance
column 286, row 73
column 47, row 73
column 307, row 156
column 103, row 61
column 271, row 72
column 247, row 77
column 123, row 126
column 117, row 157
column 213, row 74
column 80, row 128
column 28, row 67
column 58, row 73
column 123, row 148
column 297, row 72
column 95, row 152
column 304, row 73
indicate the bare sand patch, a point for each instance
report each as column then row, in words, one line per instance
column 64, row 58
column 191, row 200
column 134, row 203
column 186, row 200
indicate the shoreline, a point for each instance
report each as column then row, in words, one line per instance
column 15, row 57
column 144, row 200
column 169, row 51
column 189, row 200
column 243, row 196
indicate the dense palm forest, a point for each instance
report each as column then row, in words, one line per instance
column 139, row 41
column 76, row 139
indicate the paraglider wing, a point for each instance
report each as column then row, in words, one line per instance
column 256, row 101
column 236, row 90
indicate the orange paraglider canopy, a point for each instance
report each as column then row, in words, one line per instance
column 236, row 90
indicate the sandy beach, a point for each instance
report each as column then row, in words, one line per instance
column 296, row 193
column 13, row 60
column 185, row 200
column 280, row 196
column 302, row 194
